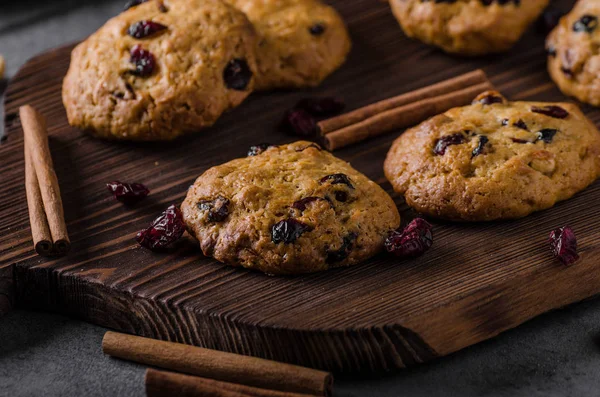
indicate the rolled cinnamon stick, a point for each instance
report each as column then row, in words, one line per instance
column 402, row 117
column 218, row 365
column 42, row 239
column 444, row 87
column 169, row 384
column 36, row 139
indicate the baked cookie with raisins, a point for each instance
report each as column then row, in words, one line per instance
column 574, row 53
column 301, row 41
column 161, row 69
column 288, row 209
column 467, row 27
column 495, row 159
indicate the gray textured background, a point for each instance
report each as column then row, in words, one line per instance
column 557, row 354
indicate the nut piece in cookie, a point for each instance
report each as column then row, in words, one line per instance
column 574, row 54
column 495, row 159
column 158, row 71
column 467, row 27
column 289, row 209
column 301, row 41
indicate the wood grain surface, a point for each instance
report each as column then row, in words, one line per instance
column 477, row 280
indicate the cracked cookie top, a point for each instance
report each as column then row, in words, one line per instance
column 161, row 69
column 288, row 209
column 495, row 159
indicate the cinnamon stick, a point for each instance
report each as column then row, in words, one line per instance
column 444, row 87
column 218, row 365
column 168, row 384
column 36, row 139
column 42, row 239
column 402, row 117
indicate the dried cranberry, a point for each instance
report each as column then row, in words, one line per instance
column 516, row 140
column 547, row 134
column 483, row 140
column 237, row 74
column 317, row 29
column 165, row 230
column 344, row 251
column 299, row 122
column 445, row 141
column 217, row 209
column 287, row 231
column 587, row 23
column 255, row 150
column 142, row 29
column 302, row 203
column 337, row 179
column 128, row 193
column 413, row 241
column 143, row 60
column 521, row 124
column 563, row 244
column 321, row 107
column 133, row 3
column 489, row 99
column 549, row 20
column 341, row 196
column 551, row 110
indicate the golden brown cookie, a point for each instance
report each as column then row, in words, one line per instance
column 495, row 159
column 161, row 69
column 574, row 53
column 301, row 41
column 288, row 209
column 467, row 27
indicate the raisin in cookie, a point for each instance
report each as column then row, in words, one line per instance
column 287, row 210
column 495, row 159
column 467, row 27
column 301, row 41
column 574, row 53
column 161, row 69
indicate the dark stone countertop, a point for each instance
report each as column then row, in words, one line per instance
column 557, row 354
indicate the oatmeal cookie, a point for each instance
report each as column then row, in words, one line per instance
column 288, row 209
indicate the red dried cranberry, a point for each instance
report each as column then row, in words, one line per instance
column 448, row 140
column 143, row 60
column 521, row 124
column 490, row 99
column 321, row 107
column 255, row 150
column 587, row 24
column 217, row 209
column 302, row 203
column 547, row 134
column 341, row 196
column 317, row 29
column 337, row 179
column 128, row 193
column 413, row 241
column 344, row 251
column 133, row 3
column 549, row 20
column 287, row 231
column 552, row 111
column 563, row 244
column 165, row 230
column 299, row 122
column 142, row 29
column 483, row 140
column 237, row 74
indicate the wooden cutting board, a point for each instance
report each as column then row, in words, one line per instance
column 477, row 280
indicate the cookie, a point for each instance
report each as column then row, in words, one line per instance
column 467, row 27
column 301, row 41
column 160, row 70
column 574, row 55
column 288, row 209
column 495, row 159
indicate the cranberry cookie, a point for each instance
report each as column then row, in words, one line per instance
column 467, row 27
column 495, row 159
column 287, row 210
column 301, row 41
column 161, row 69
column 574, row 53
